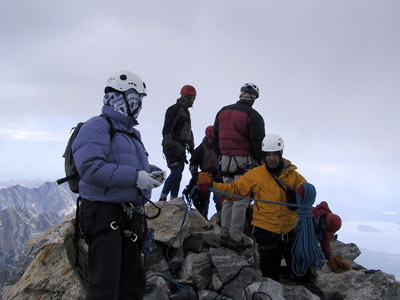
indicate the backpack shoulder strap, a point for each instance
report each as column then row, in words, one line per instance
column 282, row 185
column 112, row 129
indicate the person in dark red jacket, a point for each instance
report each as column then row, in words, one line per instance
column 237, row 138
column 325, row 224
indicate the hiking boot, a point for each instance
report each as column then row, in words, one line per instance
column 315, row 290
column 247, row 241
column 234, row 245
column 163, row 197
column 224, row 240
column 239, row 246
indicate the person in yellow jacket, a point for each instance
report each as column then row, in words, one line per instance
column 273, row 224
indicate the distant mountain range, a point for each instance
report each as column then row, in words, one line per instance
column 48, row 197
column 23, row 182
column 27, row 212
column 17, row 226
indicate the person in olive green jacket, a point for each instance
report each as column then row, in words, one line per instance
column 273, row 224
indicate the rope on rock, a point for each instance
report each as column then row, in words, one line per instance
column 172, row 265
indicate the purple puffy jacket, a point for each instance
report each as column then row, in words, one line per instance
column 109, row 167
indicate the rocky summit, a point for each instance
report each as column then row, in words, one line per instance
column 188, row 263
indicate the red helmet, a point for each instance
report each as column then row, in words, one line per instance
column 209, row 131
column 333, row 222
column 188, row 90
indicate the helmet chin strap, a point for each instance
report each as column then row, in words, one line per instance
column 253, row 99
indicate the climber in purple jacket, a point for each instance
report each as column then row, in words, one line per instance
column 116, row 180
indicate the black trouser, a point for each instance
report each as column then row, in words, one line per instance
column 115, row 265
column 271, row 246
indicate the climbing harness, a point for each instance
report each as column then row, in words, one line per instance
column 248, row 163
column 136, row 231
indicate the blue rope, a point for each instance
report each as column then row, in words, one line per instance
column 305, row 252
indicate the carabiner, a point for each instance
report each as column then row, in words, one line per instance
column 134, row 237
column 114, row 225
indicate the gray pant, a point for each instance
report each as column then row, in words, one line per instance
column 233, row 213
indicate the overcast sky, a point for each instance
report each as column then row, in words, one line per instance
column 328, row 73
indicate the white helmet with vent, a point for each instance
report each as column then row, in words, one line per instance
column 272, row 143
column 123, row 80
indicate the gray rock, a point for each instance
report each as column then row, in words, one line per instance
column 216, row 283
column 170, row 229
column 160, row 290
column 349, row 251
column 197, row 268
column 236, row 285
column 208, row 295
column 276, row 291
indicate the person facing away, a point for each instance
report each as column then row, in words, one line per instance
column 177, row 138
column 326, row 224
column 273, row 225
column 237, row 137
column 116, row 177
column 204, row 157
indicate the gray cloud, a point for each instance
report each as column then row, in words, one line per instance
column 328, row 75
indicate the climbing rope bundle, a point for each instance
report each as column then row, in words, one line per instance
column 305, row 252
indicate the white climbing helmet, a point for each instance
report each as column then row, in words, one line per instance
column 250, row 88
column 272, row 143
column 124, row 80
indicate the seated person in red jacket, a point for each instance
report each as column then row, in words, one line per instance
column 326, row 224
column 205, row 158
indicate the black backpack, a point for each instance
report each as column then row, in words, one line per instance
column 72, row 176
